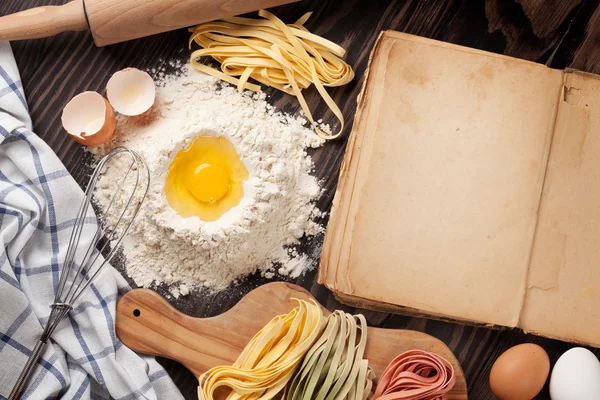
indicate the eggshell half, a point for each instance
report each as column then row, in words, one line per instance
column 576, row 376
column 520, row 372
column 131, row 91
column 89, row 119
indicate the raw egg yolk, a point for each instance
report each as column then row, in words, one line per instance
column 206, row 179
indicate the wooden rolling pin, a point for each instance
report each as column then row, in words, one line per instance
column 115, row 21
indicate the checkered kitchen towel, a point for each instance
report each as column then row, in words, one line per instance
column 38, row 202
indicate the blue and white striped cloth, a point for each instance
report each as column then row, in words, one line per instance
column 38, row 202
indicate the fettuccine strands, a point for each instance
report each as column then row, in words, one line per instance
column 286, row 57
column 270, row 359
column 334, row 368
column 416, row 375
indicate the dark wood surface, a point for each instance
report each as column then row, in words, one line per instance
column 558, row 33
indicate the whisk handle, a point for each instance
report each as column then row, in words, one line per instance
column 28, row 369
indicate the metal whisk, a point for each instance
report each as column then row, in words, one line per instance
column 115, row 221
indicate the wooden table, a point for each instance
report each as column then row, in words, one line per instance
column 558, row 33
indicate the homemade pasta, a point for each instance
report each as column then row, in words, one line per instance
column 416, row 375
column 270, row 359
column 334, row 367
column 286, row 57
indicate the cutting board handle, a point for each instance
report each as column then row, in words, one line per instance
column 42, row 22
column 148, row 324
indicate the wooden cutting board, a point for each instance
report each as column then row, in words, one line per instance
column 147, row 323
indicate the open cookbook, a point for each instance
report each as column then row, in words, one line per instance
column 470, row 190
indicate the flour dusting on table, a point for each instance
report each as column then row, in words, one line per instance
column 278, row 207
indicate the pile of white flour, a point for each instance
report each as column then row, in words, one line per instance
column 276, row 211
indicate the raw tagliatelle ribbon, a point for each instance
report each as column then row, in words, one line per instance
column 334, row 367
column 416, row 375
column 286, row 57
column 268, row 362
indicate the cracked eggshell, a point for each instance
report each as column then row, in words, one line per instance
column 89, row 119
column 131, row 91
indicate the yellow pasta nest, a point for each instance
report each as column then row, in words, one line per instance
column 270, row 359
column 286, row 57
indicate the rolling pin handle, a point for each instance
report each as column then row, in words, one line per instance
column 43, row 22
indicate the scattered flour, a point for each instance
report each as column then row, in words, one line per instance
column 277, row 209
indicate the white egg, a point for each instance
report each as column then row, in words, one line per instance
column 576, row 376
column 131, row 91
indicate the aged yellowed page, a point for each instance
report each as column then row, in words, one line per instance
column 338, row 237
column 441, row 211
column 563, row 298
